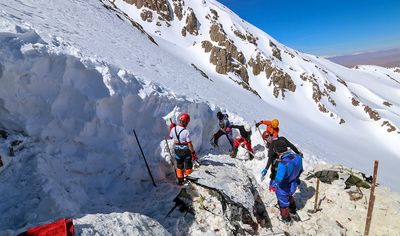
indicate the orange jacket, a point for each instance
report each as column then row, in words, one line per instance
column 269, row 129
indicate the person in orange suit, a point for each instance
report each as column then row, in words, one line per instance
column 272, row 130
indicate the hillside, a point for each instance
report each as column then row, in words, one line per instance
column 77, row 76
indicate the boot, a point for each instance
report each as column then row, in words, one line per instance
column 285, row 215
column 292, row 206
column 181, row 181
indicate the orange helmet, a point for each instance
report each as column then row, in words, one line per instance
column 184, row 118
column 275, row 123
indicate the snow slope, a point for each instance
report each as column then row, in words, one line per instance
column 77, row 77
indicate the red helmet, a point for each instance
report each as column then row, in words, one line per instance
column 184, row 118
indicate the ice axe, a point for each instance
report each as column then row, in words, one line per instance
column 259, row 131
column 316, row 209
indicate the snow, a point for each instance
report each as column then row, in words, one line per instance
column 73, row 88
column 118, row 224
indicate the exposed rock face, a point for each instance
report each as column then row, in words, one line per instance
column 207, row 45
column 388, row 104
column 217, row 34
column 317, row 92
column 390, row 127
column 397, row 70
column 219, row 57
column 160, row 6
column 192, row 24
column 214, row 14
column 225, row 56
column 147, row 15
column 178, row 8
column 275, row 50
column 355, row 102
column 260, row 64
column 240, row 202
column 279, row 79
column 248, row 36
column 282, row 82
column 374, row 115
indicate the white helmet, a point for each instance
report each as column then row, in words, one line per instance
column 247, row 127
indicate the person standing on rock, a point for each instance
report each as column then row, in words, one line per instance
column 287, row 179
column 244, row 139
column 271, row 131
column 273, row 157
column 184, row 151
column 224, row 129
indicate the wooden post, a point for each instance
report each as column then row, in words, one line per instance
column 316, row 196
column 371, row 200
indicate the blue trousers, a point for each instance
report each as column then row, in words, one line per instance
column 284, row 192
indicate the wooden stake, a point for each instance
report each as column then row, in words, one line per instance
column 371, row 200
column 316, row 196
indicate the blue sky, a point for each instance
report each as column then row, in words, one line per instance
column 325, row 27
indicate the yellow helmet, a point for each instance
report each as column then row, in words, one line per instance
column 275, row 123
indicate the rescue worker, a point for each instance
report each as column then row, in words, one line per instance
column 287, row 179
column 272, row 130
column 184, row 151
column 224, row 129
column 272, row 160
column 243, row 139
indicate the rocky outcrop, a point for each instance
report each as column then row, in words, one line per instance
column 374, row 115
column 281, row 82
column 227, row 191
column 318, row 92
column 217, row 34
column 260, row 64
column 162, row 7
column 388, row 104
column 225, row 56
column 276, row 52
column 389, row 126
column 355, row 102
column 178, row 8
column 248, row 36
column 147, row 15
column 192, row 24
column 214, row 14
column 207, row 45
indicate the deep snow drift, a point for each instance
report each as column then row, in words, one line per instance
column 73, row 92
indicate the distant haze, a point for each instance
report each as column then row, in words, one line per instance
column 386, row 58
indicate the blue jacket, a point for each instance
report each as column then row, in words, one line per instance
column 289, row 169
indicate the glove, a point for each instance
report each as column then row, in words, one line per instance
column 264, row 172
column 298, row 182
column 172, row 125
column 228, row 129
column 272, row 186
column 257, row 124
column 194, row 156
